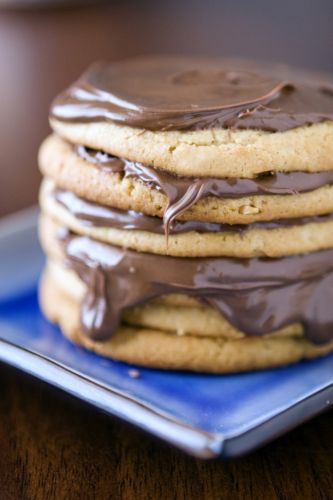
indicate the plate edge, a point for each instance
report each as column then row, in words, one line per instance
column 193, row 441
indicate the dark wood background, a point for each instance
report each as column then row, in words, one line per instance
column 52, row 446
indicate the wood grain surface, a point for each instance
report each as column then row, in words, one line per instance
column 55, row 447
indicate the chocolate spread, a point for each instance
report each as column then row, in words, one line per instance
column 256, row 295
column 94, row 214
column 177, row 93
column 183, row 192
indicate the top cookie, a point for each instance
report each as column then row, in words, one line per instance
column 198, row 117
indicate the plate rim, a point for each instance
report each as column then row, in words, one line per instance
column 194, row 441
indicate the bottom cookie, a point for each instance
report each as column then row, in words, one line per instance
column 166, row 350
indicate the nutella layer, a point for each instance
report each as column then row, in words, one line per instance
column 257, row 296
column 183, row 192
column 188, row 93
column 97, row 215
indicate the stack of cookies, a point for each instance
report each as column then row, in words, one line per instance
column 187, row 214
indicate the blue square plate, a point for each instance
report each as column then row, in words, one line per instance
column 206, row 415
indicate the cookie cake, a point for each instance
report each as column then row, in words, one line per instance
column 187, row 213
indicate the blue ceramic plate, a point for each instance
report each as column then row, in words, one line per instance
column 206, row 415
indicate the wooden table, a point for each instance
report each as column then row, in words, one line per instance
column 55, row 447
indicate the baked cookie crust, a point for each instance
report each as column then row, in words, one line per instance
column 211, row 152
column 59, row 162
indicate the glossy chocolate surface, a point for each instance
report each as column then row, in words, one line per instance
column 97, row 215
column 177, row 93
column 255, row 295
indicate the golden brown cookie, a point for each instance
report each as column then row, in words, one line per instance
column 59, row 162
column 213, row 152
column 255, row 242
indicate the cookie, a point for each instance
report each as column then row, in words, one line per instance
column 194, row 117
column 214, row 153
column 59, row 162
column 244, row 243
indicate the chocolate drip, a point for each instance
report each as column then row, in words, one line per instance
column 188, row 93
column 103, row 216
column 256, row 295
column 183, row 192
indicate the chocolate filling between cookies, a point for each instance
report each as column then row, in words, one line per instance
column 183, row 192
column 98, row 215
column 257, row 295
